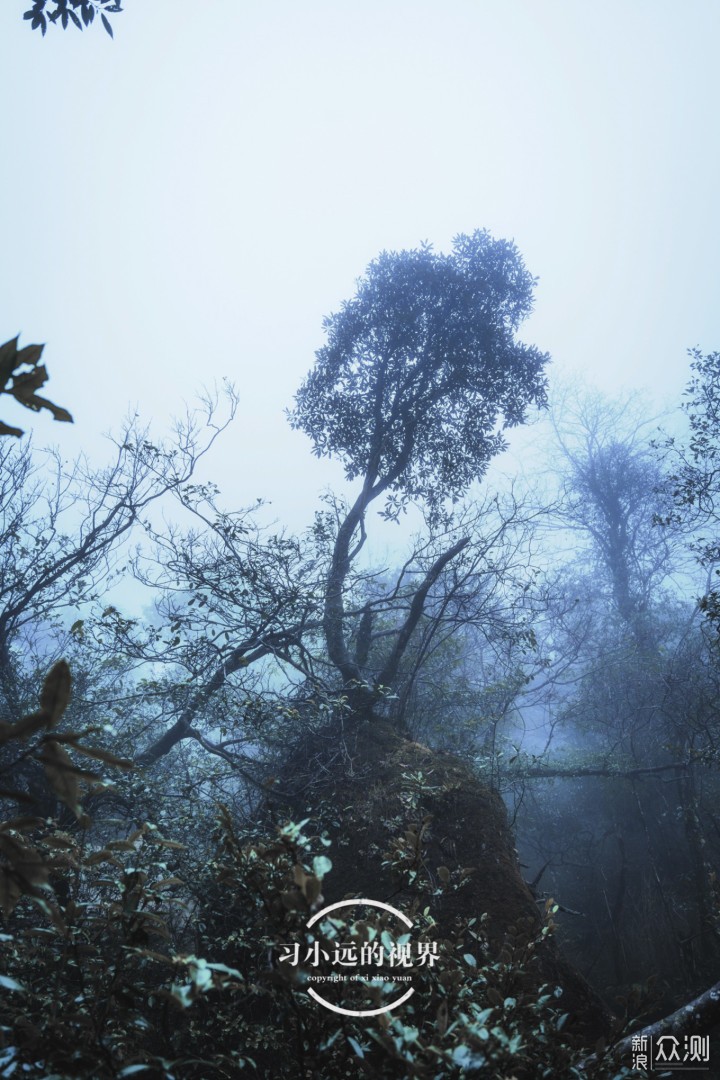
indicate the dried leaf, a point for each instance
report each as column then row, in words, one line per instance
column 60, row 840
column 103, row 755
column 157, row 924
column 27, row 382
column 29, row 725
column 5, row 429
column 8, row 361
column 16, row 796
column 20, row 823
column 309, row 885
column 37, row 403
column 25, row 861
column 103, row 856
column 30, row 355
column 61, row 774
column 52, row 911
column 56, row 691
column 10, row 892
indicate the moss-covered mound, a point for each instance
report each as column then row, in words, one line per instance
column 455, row 846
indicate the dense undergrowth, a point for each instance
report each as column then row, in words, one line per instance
column 115, row 963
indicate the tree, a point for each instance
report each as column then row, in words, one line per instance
column 229, row 595
column 633, row 705
column 476, row 626
column 61, row 532
column 693, row 482
column 419, row 369
column 420, row 373
column 612, row 499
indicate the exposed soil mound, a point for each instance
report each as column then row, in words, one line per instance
column 383, row 786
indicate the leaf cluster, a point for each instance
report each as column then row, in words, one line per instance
column 78, row 13
column 479, row 1012
column 24, row 870
column 24, row 383
column 114, row 965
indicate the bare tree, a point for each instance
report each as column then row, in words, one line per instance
column 62, row 527
column 612, row 497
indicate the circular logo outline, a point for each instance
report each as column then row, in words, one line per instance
column 355, row 903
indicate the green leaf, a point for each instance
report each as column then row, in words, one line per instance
column 356, row 1046
column 321, row 865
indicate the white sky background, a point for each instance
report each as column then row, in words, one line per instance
column 188, row 201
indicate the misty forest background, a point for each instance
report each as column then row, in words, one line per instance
column 481, row 687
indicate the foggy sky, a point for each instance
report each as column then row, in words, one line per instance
column 188, row 201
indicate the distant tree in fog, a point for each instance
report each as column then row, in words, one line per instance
column 612, row 497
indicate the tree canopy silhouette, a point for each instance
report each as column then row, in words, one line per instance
column 420, row 365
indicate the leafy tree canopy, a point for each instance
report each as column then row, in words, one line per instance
column 421, row 365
